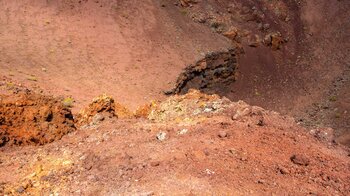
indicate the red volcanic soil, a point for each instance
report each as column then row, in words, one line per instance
column 130, row 49
column 306, row 75
column 28, row 118
column 192, row 144
column 146, row 132
column 136, row 50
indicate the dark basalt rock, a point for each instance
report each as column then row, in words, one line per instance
column 215, row 71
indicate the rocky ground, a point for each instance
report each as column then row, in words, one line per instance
column 291, row 55
column 191, row 144
column 148, row 130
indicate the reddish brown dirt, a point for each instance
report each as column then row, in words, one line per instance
column 221, row 148
column 29, row 118
column 293, row 58
column 304, row 72
column 328, row 73
column 86, row 48
column 266, row 76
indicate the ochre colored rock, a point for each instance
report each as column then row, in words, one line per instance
column 29, row 118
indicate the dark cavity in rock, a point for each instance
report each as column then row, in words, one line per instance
column 212, row 74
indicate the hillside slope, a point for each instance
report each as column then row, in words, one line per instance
column 131, row 49
column 292, row 55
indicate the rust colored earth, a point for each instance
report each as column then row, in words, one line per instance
column 201, row 143
column 29, row 118
column 233, row 97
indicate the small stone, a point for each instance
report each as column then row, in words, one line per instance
column 253, row 44
column 233, row 151
column 243, row 159
column 300, row 160
column 88, row 166
column 20, row 189
column 231, row 34
column 261, row 181
column 222, row 134
column 209, row 172
column 283, row 170
column 266, row 26
column 161, row 136
column 208, row 110
column 287, row 19
column 155, row 163
column 261, row 122
column 97, row 119
column 274, row 40
column 206, row 152
column 183, row 131
column 254, row 41
column 92, row 178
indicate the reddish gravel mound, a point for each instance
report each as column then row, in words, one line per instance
column 101, row 107
column 102, row 104
column 33, row 119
